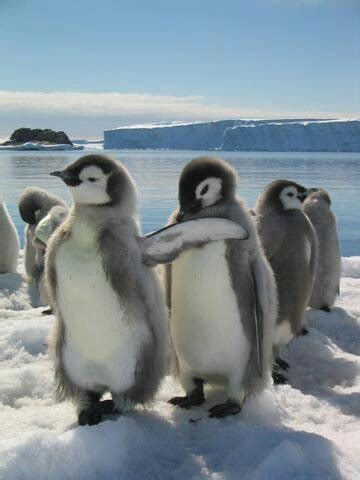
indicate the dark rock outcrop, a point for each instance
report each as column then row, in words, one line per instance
column 45, row 136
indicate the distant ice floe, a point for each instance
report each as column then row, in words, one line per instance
column 40, row 146
column 308, row 429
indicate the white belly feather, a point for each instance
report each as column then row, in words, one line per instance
column 206, row 327
column 103, row 335
column 283, row 334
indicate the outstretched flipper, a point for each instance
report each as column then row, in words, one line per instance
column 47, row 226
column 166, row 244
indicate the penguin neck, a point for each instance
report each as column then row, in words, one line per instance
column 84, row 234
column 317, row 209
column 83, row 227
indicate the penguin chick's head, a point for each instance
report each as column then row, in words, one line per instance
column 319, row 197
column 283, row 195
column 98, row 180
column 204, row 182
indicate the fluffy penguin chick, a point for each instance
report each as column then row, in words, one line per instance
column 290, row 245
column 9, row 241
column 34, row 205
column 222, row 296
column 43, row 231
column 111, row 315
column 326, row 286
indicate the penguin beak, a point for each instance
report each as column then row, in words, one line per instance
column 66, row 177
column 194, row 208
column 306, row 193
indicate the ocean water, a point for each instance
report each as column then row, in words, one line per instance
column 156, row 174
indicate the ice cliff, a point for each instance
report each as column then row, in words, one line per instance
column 245, row 135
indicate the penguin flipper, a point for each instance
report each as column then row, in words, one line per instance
column 47, row 226
column 258, row 322
column 164, row 245
column 43, row 230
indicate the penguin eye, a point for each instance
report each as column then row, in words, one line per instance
column 92, row 179
column 204, row 190
column 290, row 194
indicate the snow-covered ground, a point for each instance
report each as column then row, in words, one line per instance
column 309, row 429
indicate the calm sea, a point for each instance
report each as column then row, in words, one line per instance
column 156, row 174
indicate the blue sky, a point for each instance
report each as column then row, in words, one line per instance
column 83, row 66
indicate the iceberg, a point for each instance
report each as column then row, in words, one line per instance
column 241, row 135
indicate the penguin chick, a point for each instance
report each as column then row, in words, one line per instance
column 290, row 245
column 34, row 205
column 43, row 231
column 9, row 241
column 326, row 287
column 222, row 296
column 111, row 324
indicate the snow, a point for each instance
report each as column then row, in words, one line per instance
column 309, row 429
column 243, row 135
column 351, row 267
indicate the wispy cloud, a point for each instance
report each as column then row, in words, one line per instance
column 88, row 114
column 81, row 103
column 122, row 104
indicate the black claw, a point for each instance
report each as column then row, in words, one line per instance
column 106, row 407
column 187, row 401
column 281, row 364
column 326, row 309
column 89, row 417
column 178, row 401
column 47, row 311
column 303, row 331
column 224, row 410
column 194, row 399
column 279, row 378
column 93, row 414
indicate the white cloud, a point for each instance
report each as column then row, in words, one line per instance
column 129, row 104
column 111, row 104
column 88, row 114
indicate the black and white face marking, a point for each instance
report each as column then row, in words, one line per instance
column 208, row 192
column 204, row 182
column 92, row 189
column 291, row 198
column 98, row 180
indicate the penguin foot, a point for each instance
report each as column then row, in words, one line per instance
column 106, row 407
column 281, row 364
column 304, row 331
column 93, row 414
column 195, row 398
column 90, row 416
column 326, row 309
column 224, row 410
column 188, row 401
column 279, row 378
column 47, row 311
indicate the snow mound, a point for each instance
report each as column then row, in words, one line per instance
column 308, row 429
